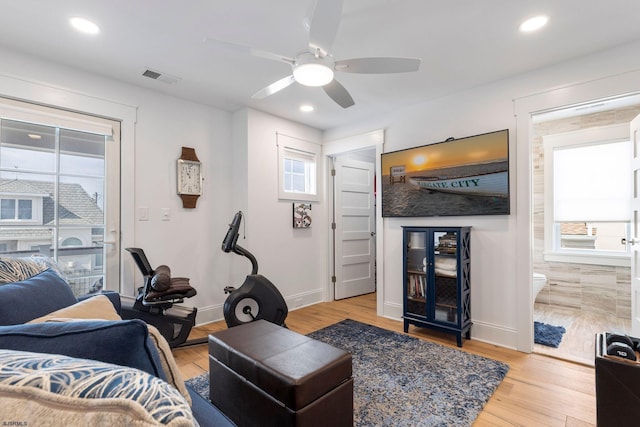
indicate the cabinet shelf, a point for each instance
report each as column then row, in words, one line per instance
column 448, row 304
column 438, row 298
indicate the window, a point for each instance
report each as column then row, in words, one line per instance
column 54, row 191
column 7, row 209
column 12, row 209
column 299, row 173
column 297, row 167
column 587, row 196
column 71, row 241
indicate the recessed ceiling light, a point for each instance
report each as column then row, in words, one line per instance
column 533, row 24
column 306, row 108
column 84, row 25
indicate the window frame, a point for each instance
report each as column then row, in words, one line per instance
column 290, row 148
column 110, row 129
column 552, row 240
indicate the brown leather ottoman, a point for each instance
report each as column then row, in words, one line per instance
column 263, row 374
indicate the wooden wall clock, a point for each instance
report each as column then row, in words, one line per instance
column 189, row 173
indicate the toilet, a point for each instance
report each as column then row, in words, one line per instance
column 539, row 280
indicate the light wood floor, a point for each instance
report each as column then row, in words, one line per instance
column 537, row 391
column 578, row 343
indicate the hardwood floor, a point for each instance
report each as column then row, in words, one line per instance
column 578, row 343
column 537, row 391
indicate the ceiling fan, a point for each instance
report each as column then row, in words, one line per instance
column 316, row 66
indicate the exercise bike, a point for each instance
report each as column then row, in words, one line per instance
column 257, row 298
column 156, row 298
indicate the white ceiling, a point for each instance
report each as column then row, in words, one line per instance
column 462, row 44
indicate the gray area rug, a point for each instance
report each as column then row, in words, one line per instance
column 404, row 381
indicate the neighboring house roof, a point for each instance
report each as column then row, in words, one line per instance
column 19, row 186
column 75, row 206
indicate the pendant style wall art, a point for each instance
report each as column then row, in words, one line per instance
column 301, row 215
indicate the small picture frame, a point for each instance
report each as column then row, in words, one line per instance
column 301, row 215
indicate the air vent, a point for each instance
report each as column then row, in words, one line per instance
column 151, row 74
column 163, row 77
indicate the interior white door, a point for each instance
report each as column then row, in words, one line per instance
column 634, row 238
column 354, row 244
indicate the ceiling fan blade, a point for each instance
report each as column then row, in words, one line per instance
column 324, row 24
column 248, row 50
column 273, row 88
column 378, row 65
column 339, row 94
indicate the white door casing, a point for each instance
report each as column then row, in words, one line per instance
column 634, row 238
column 354, row 242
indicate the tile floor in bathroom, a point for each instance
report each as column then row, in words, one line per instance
column 578, row 343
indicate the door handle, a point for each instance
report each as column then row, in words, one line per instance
column 114, row 232
column 630, row 241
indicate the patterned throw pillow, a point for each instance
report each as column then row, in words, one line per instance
column 35, row 387
column 18, row 269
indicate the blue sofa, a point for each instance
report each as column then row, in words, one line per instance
column 125, row 343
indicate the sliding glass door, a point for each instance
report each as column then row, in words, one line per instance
column 59, row 192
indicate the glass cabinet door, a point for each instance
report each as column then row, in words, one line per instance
column 416, row 274
column 445, row 276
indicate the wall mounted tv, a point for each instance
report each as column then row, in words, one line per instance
column 466, row 176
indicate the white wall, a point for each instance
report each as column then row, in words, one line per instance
column 155, row 129
column 500, row 245
column 293, row 259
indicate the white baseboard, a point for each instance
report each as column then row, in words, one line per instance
column 494, row 334
column 392, row 310
column 215, row 313
column 480, row 331
column 304, row 299
column 209, row 314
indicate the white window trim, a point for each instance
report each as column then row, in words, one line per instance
column 619, row 132
column 290, row 147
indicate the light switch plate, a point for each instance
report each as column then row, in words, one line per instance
column 143, row 213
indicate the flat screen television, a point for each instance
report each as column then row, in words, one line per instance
column 466, row 176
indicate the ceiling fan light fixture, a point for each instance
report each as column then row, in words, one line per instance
column 313, row 74
column 310, row 69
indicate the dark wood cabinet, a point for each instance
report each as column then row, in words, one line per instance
column 437, row 282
